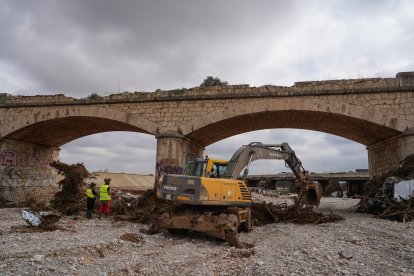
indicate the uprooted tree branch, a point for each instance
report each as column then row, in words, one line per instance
column 71, row 199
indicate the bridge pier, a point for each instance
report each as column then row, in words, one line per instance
column 386, row 155
column 25, row 169
column 173, row 152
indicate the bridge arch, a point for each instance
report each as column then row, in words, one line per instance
column 60, row 125
column 362, row 125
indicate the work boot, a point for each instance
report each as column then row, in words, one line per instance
column 89, row 214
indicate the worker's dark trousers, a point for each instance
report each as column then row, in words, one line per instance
column 90, row 204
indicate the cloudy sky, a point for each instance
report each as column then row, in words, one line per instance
column 100, row 46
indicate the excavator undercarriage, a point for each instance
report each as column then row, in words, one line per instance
column 219, row 222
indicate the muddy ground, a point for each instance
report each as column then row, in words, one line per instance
column 358, row 245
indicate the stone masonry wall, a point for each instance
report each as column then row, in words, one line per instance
column 379, row 108
column 170, row 109
column 385, row 156
column 396, row 109
column 24, row 168
column 394, row 104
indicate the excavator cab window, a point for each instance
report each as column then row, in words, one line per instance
column 199, row 167
column 195, row 168
column 219, row 170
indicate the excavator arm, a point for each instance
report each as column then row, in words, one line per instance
column 242, row 158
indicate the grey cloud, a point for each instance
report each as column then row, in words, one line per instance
column 117, row 151
column 80, row 47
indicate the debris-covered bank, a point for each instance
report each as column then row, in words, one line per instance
column 359, row 245
column 391, row 196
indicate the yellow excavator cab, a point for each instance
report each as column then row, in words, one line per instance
column 206, row 167
column 203, row 184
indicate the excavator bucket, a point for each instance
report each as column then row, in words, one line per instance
column 311, row 194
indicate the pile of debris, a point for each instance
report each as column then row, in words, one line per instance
column 34, row 203
column 71, row 199
column 333, row 189
column 147, row 208
column 144, row 208
column 264, row 213
column 4, row 203
column 399, row 211
column 391, row 195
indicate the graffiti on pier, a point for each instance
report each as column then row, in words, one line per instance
column 24, row 166
column 8, row 157
column 26, row 158
column 10, row 176
column 168, row 166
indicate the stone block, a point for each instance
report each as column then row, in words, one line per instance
column 406, row 78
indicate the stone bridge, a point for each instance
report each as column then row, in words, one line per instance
column 376, row 112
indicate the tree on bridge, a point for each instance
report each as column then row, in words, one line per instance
column 211, row 81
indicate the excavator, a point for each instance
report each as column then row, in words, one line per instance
column 211, row 197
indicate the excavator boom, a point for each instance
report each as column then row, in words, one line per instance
column 257, row 151
column 252, row 152
column 310, row 191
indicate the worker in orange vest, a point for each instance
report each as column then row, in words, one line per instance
column 105, row 198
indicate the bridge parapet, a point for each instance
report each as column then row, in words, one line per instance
column 10, row 100
column 348, row 84
column 406, row 78
column 403, row 82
